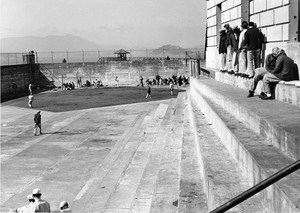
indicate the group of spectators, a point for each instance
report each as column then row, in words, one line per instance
column 68, row 86
column 158, row 80
column 37, row 204
column 240, row 49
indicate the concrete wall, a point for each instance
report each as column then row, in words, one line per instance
column 47, row 75
column 128, row 72
column 277, row 19
column 21, row 75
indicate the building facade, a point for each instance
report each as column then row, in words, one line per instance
column 277, row 19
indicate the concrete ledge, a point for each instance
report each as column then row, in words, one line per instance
column 287, row 92
column 254, row 153
column 271, row 119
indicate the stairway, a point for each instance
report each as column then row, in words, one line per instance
column 261, row 136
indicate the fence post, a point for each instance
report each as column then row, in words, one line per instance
column 36, row 57
column 98, row 54
column 7, row 58
column 51, row 56
column 62, row 81
column 67, row 56
column 83, row 57
column 179, row 51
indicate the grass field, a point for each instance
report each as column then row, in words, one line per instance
column 68, row 100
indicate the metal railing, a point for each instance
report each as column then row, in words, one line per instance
column 93, row 56
column 258, row 187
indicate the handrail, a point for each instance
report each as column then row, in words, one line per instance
column 258, row 187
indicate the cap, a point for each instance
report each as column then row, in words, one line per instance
column 222, row 30
column 36, row 191
column 226, row 26
column 29, row 197
column 63, row 203
column 276, row 51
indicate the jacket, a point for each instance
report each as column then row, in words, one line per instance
column 285, row 68
column 234, row 41
column 253, row 39
column 222, row 46
column 270, row 63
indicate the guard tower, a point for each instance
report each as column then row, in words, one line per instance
column 121, row 54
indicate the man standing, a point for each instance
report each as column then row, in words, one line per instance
column 261, row 71
column 253, row 40
column 39, row 204
column 229, row 48
column 141, row 81
column 283, row 71
column 222, row 50
column 38, row 122
column 243, row 49
column 117, row 81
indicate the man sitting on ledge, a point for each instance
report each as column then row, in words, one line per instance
column 261, row 71
column 283, row 71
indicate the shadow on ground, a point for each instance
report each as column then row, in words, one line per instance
column 69, row 100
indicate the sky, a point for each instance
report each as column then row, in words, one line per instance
column 132, row 23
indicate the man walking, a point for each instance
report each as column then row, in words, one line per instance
column 38, row 122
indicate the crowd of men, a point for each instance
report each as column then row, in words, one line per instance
column 240, row 51
column 158, row 80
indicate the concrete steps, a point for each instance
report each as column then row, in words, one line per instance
column 254, row 132
column 145, row 175
column 192, row 197
column 223, row 178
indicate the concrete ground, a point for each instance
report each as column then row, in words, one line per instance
column 120, row 158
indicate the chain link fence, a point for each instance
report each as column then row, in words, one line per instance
column 94, row 56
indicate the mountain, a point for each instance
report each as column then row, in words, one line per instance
column 49, row 43
column 170, row 50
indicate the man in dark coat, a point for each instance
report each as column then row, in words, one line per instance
column 38, row 122
column 253, row 41
column 228, row 44
column 283, row 71
column 222, row 50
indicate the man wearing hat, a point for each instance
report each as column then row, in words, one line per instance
column 64, row 207
column 27, row 207
column 284, row 70
column 38, row 122
column 39, row 204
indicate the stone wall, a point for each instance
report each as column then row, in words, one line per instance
column 21, row 75
column 128, row 72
